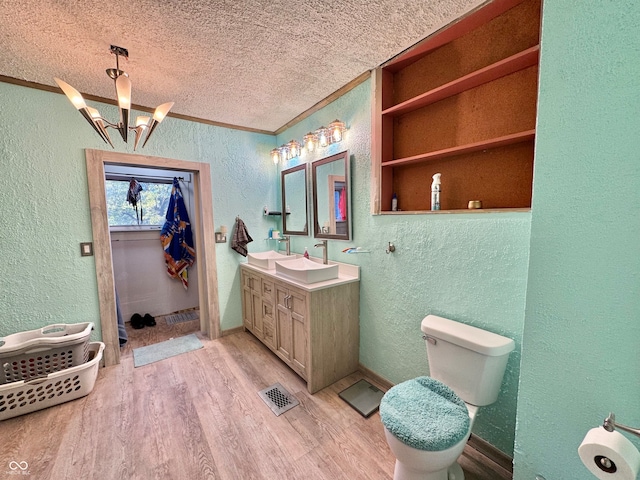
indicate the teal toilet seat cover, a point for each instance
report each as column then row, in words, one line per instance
column 425, row 414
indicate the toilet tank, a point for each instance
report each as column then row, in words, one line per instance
column 468, row 359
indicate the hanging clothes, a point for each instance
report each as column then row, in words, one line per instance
column 240, row 238
column 176, row 237
column 133, row 197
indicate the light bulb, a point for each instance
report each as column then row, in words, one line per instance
column 275, row 155
column 142, row 122
column 123, row 89
column 309, row 141
column 72, row 94
column 322, row 137
column 161, row 111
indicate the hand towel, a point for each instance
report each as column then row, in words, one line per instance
column 240, row 238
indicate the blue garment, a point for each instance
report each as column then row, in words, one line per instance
column 176, row 237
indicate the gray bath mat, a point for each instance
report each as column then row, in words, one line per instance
column 181, row 317
column 170, row 348
column 278, row 399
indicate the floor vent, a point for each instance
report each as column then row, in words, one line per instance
column 278, row 399
column 181, row 317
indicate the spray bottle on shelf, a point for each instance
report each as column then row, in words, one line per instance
column 435, row 192
column 306, row 253
column 394, row 203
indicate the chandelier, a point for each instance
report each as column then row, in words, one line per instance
column 123, row 93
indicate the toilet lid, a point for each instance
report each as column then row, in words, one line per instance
column 425, row 414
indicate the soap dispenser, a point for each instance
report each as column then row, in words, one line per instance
column 306, row 253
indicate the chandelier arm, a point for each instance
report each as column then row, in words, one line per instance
column 152, row 127
column 102, row 132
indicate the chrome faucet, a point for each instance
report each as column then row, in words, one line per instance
column 286, row 239
column 323, row 244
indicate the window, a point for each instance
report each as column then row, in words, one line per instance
column 154, row 201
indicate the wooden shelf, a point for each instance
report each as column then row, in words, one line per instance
column 507, row 66
column 462, row 149
column 472, row 211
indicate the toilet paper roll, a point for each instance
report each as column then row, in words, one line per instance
column 609, row 455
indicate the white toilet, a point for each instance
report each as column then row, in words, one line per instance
column 428, row 420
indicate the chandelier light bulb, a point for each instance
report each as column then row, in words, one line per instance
column 123, row 89
column 142, row 122
column 161, row 111
column 72, row 94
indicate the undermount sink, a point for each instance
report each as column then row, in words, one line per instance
column 267, row 260
column 306, row 271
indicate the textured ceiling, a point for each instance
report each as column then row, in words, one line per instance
column 255, row 64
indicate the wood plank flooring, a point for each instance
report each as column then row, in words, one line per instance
column 198, row 416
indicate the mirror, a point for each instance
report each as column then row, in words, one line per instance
column 294, row 201
column 331, row 202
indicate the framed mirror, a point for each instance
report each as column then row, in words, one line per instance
column 331, row 197
column 295, row 209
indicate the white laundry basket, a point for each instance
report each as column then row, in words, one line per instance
column 22, row 397
column 49, row 349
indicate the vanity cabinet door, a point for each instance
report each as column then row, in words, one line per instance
column 291, row 332
column 299, row 340
column 251, row 302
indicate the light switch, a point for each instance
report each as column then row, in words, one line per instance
column 86, row 249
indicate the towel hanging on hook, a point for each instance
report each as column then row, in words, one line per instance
column 240, row 238
column 133, row 197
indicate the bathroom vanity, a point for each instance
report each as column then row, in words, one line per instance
column 312, row 327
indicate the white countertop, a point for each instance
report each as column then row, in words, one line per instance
column 346, row 274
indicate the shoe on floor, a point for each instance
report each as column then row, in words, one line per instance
column 137, row 321
column 149, row 321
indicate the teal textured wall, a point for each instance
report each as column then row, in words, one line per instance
column 582, row 322
column 468, row 267
column 45, row 211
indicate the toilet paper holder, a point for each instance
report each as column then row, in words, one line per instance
column 610, row 425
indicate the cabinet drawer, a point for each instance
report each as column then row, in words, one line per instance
column 269, row 335
column 267, row 289
column 252, row 282
column 267, row 312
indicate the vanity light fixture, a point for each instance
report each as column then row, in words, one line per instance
column 275, row 155
column 294, row 149
column 336, row 130
column 310, row 141
column 322, row 137
column 123, row 93
column 284, row 153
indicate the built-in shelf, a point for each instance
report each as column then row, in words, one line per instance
column 473, row 211
column 512, row 64
column 461, row 103
column 462, row 149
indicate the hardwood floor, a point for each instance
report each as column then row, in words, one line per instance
column 198, row 416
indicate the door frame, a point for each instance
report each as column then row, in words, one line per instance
column 201, row 226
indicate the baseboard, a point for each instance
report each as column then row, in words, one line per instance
column 231, row 331
column 380, row 382
column 491, row 454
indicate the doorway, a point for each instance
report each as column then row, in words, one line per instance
column 202, row 227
